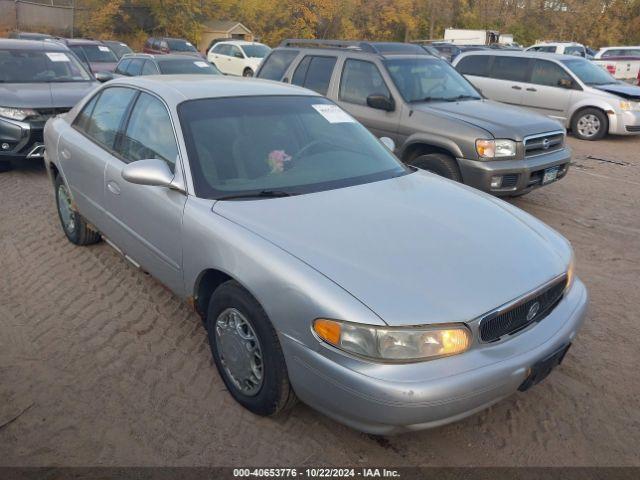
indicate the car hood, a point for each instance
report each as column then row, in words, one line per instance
column 629, row 92
column 498, row 119
column 415, row 249
column 44, row 95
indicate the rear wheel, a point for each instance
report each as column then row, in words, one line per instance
column 247, row 352
column 440, row 164
column 75, row 227
column 590, row 124
column 247, row 72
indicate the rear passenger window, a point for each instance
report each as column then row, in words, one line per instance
column 149, row 133
column 510, row 68
column 359, row 80
column 149, row 68
column 105, row 121
column 122, row 66
column 82, row 119
column 548, row 73
column 314, row 72
column 135, row 67
column 276, row 64
column 477, row 65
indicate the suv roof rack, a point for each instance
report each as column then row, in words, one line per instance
column 379, row 48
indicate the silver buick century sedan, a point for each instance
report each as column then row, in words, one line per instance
column 386, row 297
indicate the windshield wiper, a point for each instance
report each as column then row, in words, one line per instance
column 261, row 194
column 461, row 97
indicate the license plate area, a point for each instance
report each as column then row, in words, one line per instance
column 550, row 175
column 543, row 368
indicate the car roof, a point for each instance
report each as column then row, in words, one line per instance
column 178, row 88
column 557, row 44
column 238, row 42
column 82, row 41
column 519, row 53
column 161, row 57
column 44, row 45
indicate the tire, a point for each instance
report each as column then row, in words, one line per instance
column 5, row 165
column 274, row 394
column 440, row 164
column 590, row 124
column 75, row 227
column 247, row 72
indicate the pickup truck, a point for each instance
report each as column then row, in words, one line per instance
column 621, row 62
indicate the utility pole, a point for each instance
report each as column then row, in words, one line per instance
column 73, row 17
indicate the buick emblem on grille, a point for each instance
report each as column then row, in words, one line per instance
column 533, row 311
column 545, row 144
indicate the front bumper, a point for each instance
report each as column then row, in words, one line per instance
column 387, row 398
column 624, row 123
column 522, row 175
column 24, row 139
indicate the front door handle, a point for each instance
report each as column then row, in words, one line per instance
column 65, row 154
column 113, row 187
column 531, row 90
column 516, row 87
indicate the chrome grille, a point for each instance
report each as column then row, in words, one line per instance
column 518, row 316
column 541, row 144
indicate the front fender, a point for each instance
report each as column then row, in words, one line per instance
column 433, row 140
column 291, row 292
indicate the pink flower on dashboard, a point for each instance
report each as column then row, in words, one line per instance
column 277, row 159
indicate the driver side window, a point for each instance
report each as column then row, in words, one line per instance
column 359, row 80
column 149, row 133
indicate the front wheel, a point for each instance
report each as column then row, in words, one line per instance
column 247, row 352
column 247, row 72
column 590, row 124
column 440, row 164
column 74, row 225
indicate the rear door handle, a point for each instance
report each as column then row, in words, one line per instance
column 65, row 154
column 516, row 87
column 531, row 90
column 113, row 187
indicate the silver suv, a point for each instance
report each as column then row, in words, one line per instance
column 437, row 120
column 575, row 91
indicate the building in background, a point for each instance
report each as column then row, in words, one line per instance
column 214, row 29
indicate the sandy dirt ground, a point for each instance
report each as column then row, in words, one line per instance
column 100, row 365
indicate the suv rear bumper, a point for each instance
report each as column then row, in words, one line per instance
column 520, row 176
column 23, row 138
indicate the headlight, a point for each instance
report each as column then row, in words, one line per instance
column 629, row 106
column 570, row 273
column 495, row 148
column 412, row 344
column 17, row 113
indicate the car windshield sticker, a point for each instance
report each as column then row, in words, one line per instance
column 58, row 57
column 333, row 113
column 201, row 64
column 103, row 49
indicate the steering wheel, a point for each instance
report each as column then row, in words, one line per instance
column 305, row 151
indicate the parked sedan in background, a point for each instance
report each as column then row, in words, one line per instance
column 97, row 56
column 38, row 80
column 119, row 48
column 198, row 182
column 136, row 64
column 238, row 57
column 166, row 45
column 575, row 91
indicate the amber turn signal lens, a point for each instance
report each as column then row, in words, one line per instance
column 328, row 330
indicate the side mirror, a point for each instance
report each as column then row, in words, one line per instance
column 104, row 76
column 153, row 172
column 381, row 102
column 565, row 83
column 389, row 143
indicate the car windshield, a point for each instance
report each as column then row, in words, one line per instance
column 256, row 51
column 266, row 146
column 186, row 65
column 97, row 53
column 37, row 66
column 180, row 46
column 429, row 80
column 120, row 49
column 589, row 73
